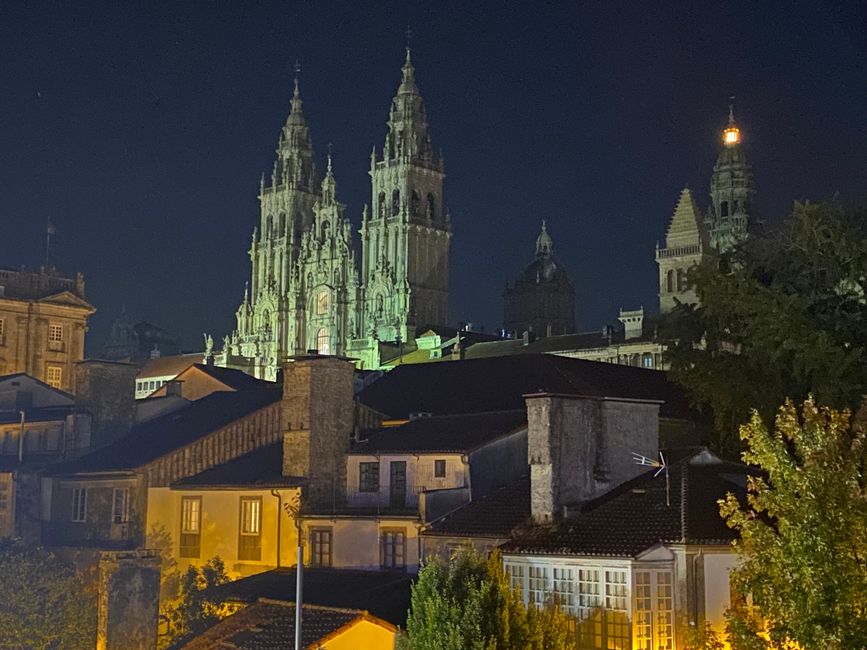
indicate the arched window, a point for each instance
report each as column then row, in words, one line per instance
column 379, row 306
column 415, row 204
column 322, row 342
column 669, row 281
column 431, row 206
column 395, row 203
column 724, row 209
column 268, row 224
column 382, row 205
column 681, row 279
column 281, row 225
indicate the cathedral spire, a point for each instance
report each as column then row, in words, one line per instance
column 731, row 134
column 329, row 185
column 544, row 243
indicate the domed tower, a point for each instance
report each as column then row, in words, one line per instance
column 731, row 192
column 542, row 299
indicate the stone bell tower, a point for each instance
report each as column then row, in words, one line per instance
column 405, row 235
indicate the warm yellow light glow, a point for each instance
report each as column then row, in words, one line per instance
column 731, row 136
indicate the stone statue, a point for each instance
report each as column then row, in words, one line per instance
column 209, row 345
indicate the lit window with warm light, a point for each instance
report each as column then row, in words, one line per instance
column 731, row 136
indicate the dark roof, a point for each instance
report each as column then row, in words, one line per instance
column 494, row 515
column 448, row 433
column 260, row 468
column 168, row 365
column 270, row 625
column 499, row 384
column 558, row 343
column 38, row 414
column 154, row 438
column 636, row 515
column 384, row 594
column 237, row 379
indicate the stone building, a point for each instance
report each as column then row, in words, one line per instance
column 542, row 299
column 43, row 319
column 306, row 292
column 729, row 218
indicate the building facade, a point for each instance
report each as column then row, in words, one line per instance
column 306, row 292
column 43, row 319
column 685, row 247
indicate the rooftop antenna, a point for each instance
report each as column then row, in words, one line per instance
column 661, row 466
column 49, row 230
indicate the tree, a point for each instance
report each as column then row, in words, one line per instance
column 783, row 315
column 195, row 611
column 468, row 604
column 702, row 637
column 44, row 605
column 803, row 533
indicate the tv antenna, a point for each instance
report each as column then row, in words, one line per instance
column 661, row 466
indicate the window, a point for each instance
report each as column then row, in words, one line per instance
column 322, row 303
column 320, row 547
column 537, row 585
column 322, row 342
column 563, row 589
column 516, row 577
column 250, row 531
column 681, row 280
column 1, row 329
column 381, row 205
column 431, row 207
column 368, row 477
column 54, row 376
column 393, row 549
column 191, row 526
column 439, row 468
column 55, row 333
column 415, row 204
column 724, row 209
column 669, row 281
column 79, row 504
column 653, row 616
column 616, row 614
column 120, row 508
column 395, row 203
column 647, row 361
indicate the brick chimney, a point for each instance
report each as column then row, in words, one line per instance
column 580, row 447
column 318, row 414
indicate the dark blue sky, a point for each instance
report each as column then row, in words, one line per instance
column 141, row 130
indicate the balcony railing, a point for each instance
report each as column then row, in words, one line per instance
column 383, row 498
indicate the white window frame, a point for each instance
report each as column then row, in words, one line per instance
column 251, row 516
column 191, row 515
column 79, row 505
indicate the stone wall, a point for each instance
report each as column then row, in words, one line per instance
column 106, row 389
column 581, row 447
column 129, row 591
column 318, row 416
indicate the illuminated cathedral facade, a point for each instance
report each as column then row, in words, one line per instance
column 307, row 291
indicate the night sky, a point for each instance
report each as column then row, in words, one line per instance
column 141, row 130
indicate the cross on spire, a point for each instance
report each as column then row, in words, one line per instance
column 731, row 109
column 296, row 68
column 408, row 34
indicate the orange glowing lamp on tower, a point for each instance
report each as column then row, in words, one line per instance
column 731, row 134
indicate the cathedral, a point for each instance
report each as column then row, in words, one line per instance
column 306, row 290
column 728, row 221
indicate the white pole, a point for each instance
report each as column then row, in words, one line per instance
column 299, row 583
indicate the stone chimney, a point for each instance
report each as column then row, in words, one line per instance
column 580, row 447
column 129, row 600
column 106, row 389
column 633, row 323
column 318, row 414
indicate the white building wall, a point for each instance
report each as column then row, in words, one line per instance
column 419, row 476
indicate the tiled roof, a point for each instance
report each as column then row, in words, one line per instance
column 641, row 513
column 154, row 438
column 499, row 384
column 270, row 625
column 261, row 468
column 494, row 515
column 237, row 379
column 450, row 433
column 168, row 365
column 384, row 594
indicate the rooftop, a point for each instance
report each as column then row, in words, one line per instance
column 494, row 515
column 448, row 433
column 154, row 438
column 384, row 594
column 261, row 468
column 500, row 383
column 639, row 514
column 270, row 625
